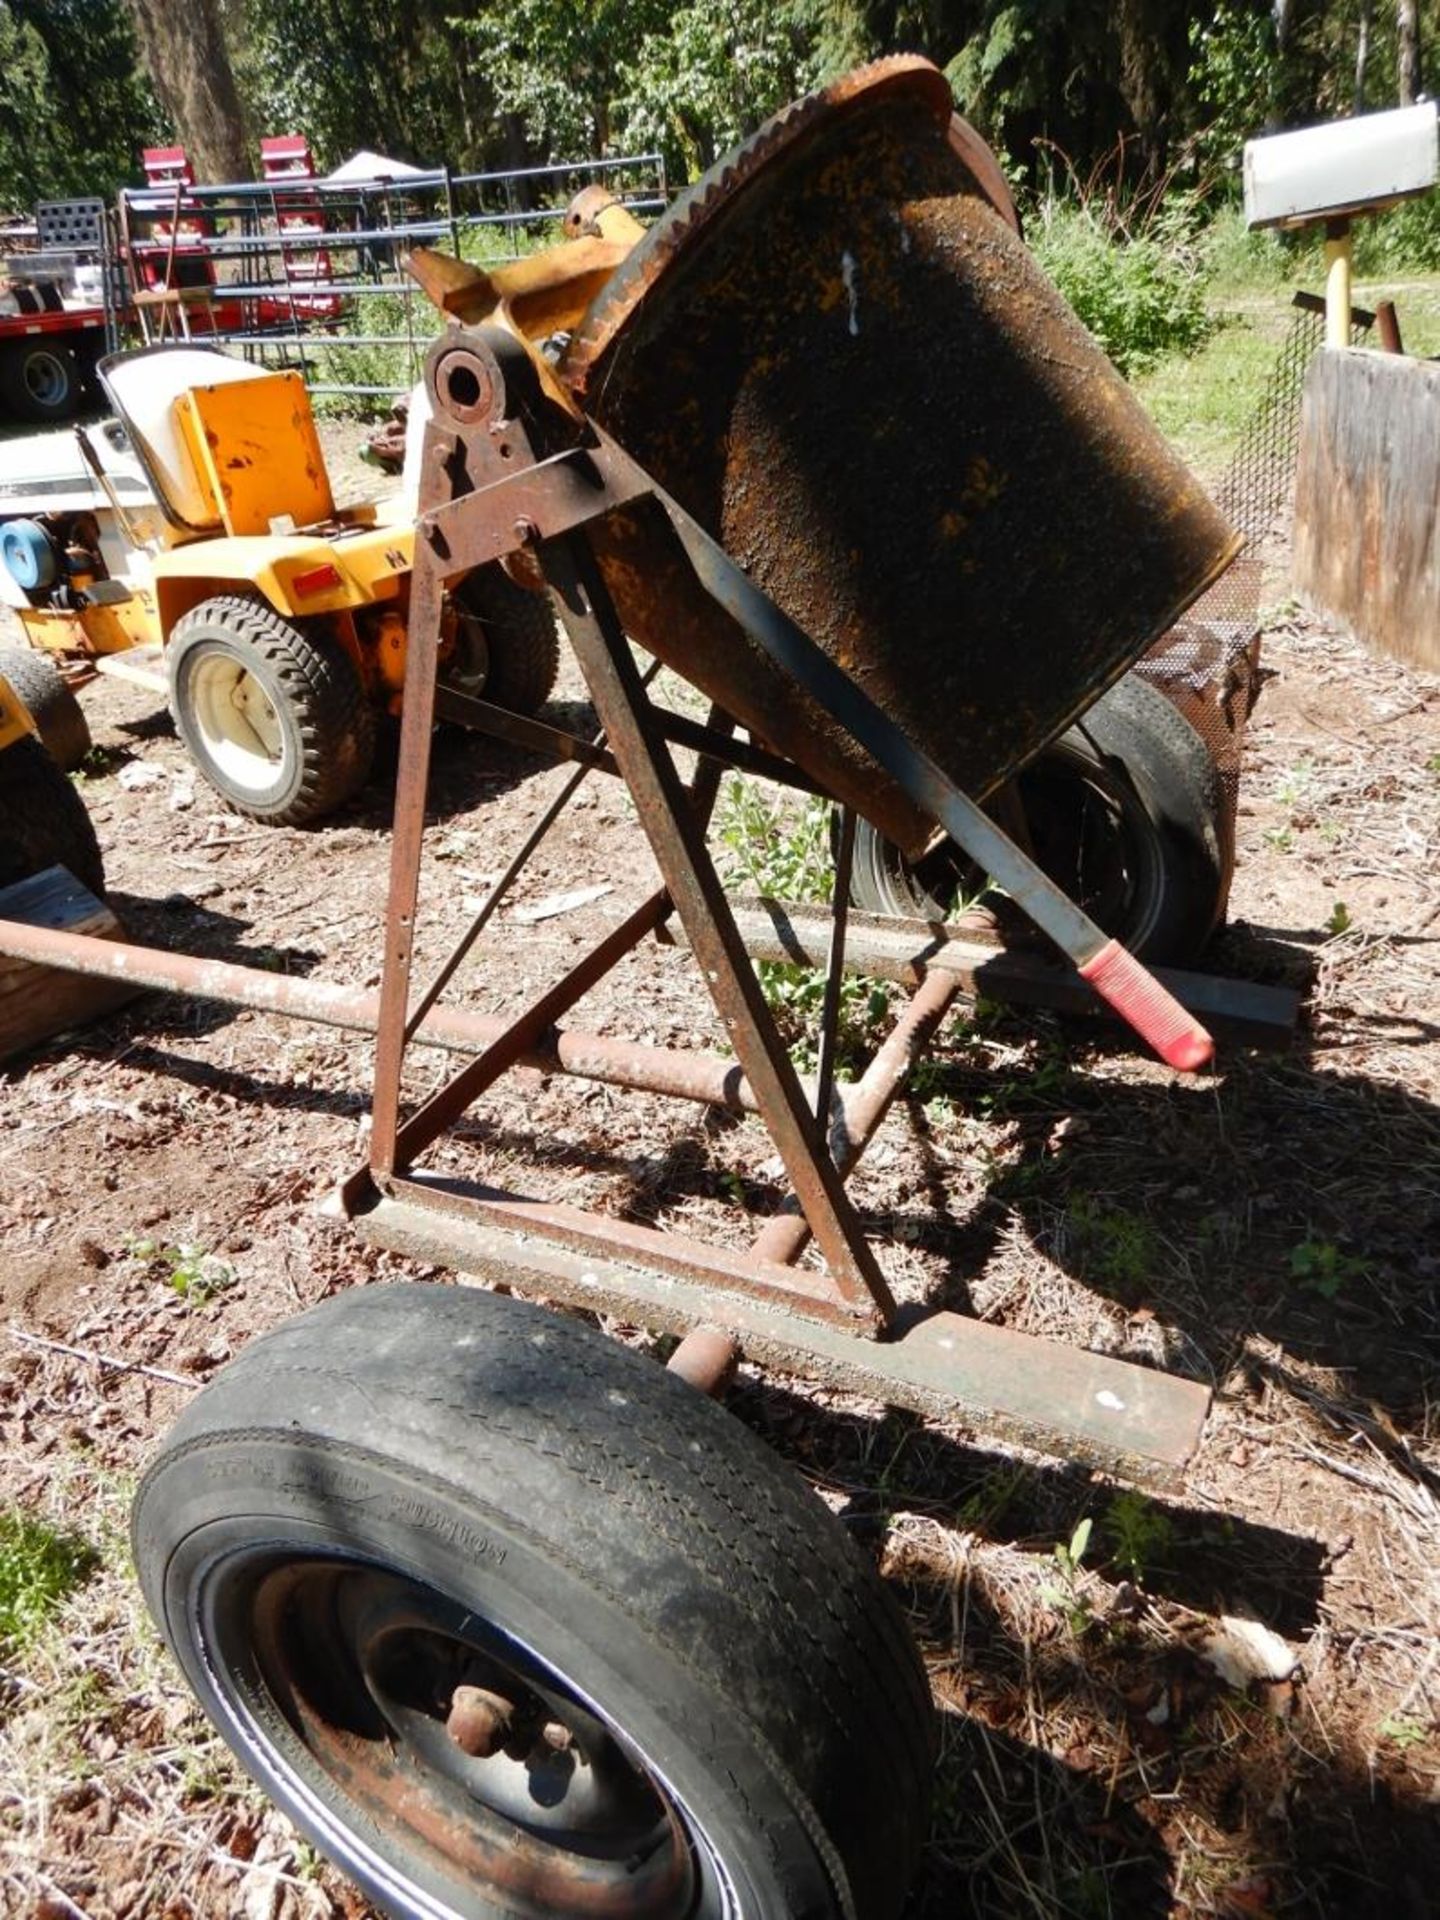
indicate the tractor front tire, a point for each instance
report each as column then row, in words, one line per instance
column 52, row 706
column 276, row 718
column 43, row 822
column 513, row 1623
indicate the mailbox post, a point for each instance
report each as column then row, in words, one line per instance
column 1329, row 174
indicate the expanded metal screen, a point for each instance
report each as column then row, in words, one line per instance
column 1209, row 661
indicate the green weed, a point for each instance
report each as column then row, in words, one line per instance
column 39, row 1566
column 197, row 1276
column 1404, row 1731
column 1066, row 1590
column 779, row 848
column 1140, row 1534
column 1112, row 1245
column 1339, row 921
column 1323, row 1268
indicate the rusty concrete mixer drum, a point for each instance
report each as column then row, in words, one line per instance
column 837, row 353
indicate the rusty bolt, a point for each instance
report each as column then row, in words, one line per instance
column 479, row 1721
column 557, row 1736
column 525, row 531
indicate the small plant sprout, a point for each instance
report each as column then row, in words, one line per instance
column 1323, row 1268
column 1404, row 1731
column 1066, row 1590
column 1140, row 1533
column 197, row 1276
column 1339, row 921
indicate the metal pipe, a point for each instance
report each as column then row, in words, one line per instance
column 706, row 1359
column 621, row 1063
column 783, row 1238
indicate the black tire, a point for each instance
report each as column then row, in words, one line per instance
column 512, row 656
column 275, row 718
column 52, row 706
column 414, row 1487
column 40, row 380
column 1125, row 811
column 43, row 822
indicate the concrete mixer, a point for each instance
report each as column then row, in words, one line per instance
column 509, row 1618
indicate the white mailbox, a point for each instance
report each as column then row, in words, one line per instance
column 1351, row 166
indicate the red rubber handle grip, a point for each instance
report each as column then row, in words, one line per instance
column 1154, row 1012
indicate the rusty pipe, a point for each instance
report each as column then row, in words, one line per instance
column 855, row 1122
column 706, row 1359
column 623, row 1063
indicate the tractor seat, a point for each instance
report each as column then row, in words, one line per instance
column 220, row 460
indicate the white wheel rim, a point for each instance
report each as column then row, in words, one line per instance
column 239, row 728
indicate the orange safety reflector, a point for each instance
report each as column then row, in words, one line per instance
column 315, row 580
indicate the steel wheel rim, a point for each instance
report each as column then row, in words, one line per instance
column 46, row 379
column 323, row 1639
column 239, row 727
column 1090, row 835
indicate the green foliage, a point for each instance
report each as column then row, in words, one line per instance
column 362, row 73
column 74, row 107
column 1404, row 240
column 1112, row 1245
column 1142, row 296
column 1323, row 1268
column 197, row 1276
column 1404, row 1731
column 612, row 75
column 1232, row 65
column 709, row 79
column 1066, row 1590
column 780, row 849
column 1140, row 1534
column 39, row 1566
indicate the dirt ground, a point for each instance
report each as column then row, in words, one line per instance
column 1270, row 1228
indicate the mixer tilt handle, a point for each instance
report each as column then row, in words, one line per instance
column 1115, row 974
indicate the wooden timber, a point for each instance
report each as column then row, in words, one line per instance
column 37, row 1002
column 1367, row 500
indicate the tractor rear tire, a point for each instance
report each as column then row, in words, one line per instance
column 43, row 822
column 52, row 706
column 1126, row 813
column 511, row 1621
column 518, row 651
column 276, row 718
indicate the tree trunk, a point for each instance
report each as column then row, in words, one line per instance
column 1407, row 50
column 1154, row 51
column 185, row 54
column 1362, row 55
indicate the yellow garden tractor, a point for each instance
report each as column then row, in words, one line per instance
column 274, row 622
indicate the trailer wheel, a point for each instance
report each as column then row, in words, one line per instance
column 39, row 381
column 1124, row 810
column 43, row 822
column 509, row 648
column 52, row 706
column 275, row 718
column 512, row 1622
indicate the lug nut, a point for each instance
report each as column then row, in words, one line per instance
column 479, row 1721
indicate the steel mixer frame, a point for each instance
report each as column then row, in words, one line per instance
column 498, row 484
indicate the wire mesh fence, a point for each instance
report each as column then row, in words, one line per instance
column 1209, row 661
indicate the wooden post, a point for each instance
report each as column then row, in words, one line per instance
column 37, row 1002
column 1367, row 500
